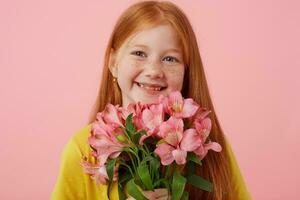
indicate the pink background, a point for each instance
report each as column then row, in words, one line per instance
column 51, row 56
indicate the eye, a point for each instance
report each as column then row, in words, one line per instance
column 139, row 53
column 171, row 59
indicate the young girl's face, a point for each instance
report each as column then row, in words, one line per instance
column 148, row 64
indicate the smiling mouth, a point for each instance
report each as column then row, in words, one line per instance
column 150, row 87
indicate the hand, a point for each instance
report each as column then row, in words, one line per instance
column 157, row 194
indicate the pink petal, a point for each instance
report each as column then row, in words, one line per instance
column 190, row 140
column 88, row 167
column 112, row 115
column 173, row 138
column 204, row 113
column 176, row 124
column 150, row 133
column 102, row 158
column 97, row 129
column 206, row 124
column 115, row 155
column 100, row 124
column 176, row 101
column 143, row 137
column 213, row 146
column 96, row 171
column 190, row 107
column 203, row 128
column 171, row 131
column 128, row 111
column 179, row 156
column 203, row 150
column 201, row 113
column 153, row 116
column 200, row 151
column 176, row 97
column 164, row 151
column 165, row 102
column 101, row 176
column 164, row 129
column 105, row 147
column 147, row 117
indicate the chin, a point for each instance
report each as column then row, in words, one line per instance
column 148, row 100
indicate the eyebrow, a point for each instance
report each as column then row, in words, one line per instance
column 146, row 47
column 139, row 45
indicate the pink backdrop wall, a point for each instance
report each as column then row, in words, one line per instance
column 51, row 55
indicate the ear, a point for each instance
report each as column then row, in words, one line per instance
column 112, row 63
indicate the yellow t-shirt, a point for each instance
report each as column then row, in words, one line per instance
column 73, row 184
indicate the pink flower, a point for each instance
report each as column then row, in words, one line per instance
column 137, row 110
column 203, row 127
column 152, row 117
column 164, row 151
column 99, row 127
column 175, row 105
column 113, row 115
column 98, row 172
column 105, row 132
column 108, row 122
column 176, row 142
column 106, row 147
column 203, row 149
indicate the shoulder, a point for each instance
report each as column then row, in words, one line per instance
column 72, row 182
column 239, row 185
column 77, row 144
column 80, row 138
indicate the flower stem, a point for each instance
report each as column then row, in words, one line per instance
column 124, row 164
column 132, row 160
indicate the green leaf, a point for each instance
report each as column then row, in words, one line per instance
column 154, row 168
column 138, row 181
column 159, row 182
column 110, row 169
column 185, row 195
column 125, row 177
column 193, row 157
column 191, row 167
column 134, row 191
column 129, row 125
column 200, row 182
column 146, row 159
column 166, row 183
column 138, row 135
column 178, row 184
column 169, row 170
column 144, row 174
column 121, row 193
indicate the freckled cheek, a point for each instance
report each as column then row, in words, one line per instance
column 175, row 79
column 129, row 71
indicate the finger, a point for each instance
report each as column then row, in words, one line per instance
column 161, row 192
column 149, row 194
column 164, row 198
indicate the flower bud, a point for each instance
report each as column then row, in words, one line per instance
column 121, row 138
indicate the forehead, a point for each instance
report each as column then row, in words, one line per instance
column 161, row 37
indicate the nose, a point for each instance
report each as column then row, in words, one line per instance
column 154, row 71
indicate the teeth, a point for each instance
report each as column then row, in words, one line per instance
column 149, row 88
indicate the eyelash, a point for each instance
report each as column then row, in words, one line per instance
column 138, row 53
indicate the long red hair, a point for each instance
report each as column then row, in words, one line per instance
column 147, row 14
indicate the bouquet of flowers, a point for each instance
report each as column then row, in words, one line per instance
column 149, row 146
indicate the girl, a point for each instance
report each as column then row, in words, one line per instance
column 152, row 51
